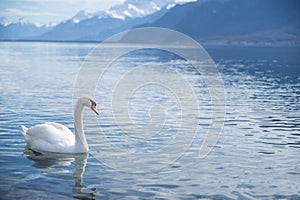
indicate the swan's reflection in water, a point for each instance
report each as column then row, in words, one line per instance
column 53, row 163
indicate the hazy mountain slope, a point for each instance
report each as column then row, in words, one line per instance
column 21, row 29
column 100, row 25
column 235, row 19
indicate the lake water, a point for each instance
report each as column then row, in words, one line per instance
column 256, row 156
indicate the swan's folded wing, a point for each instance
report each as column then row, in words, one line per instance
column 50, row 137
column 59, row 127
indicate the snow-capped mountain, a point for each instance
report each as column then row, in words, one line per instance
column 129, row 9
column 23, row 22
column 80, row 16
column 102, row 24
column 21, row 29
column 136, row 8
column 90, row 26
column 4, row 21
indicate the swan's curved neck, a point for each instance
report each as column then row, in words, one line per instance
column 81, row 144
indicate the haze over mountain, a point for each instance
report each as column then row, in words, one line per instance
column 20, row 29
column 100, row 25
column 92, row 26
column 212, row 21
column 236, row 20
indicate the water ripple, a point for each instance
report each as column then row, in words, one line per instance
column 256, row 157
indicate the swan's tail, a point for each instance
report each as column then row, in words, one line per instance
column 24, row 130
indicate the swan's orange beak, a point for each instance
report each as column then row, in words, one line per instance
column 94, row 108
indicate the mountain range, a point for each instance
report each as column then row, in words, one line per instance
column 267, row 21
column 211, row 21
column 20, row 29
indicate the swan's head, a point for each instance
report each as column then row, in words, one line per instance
column 90, row 102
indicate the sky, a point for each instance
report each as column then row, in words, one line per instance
column 55, row 11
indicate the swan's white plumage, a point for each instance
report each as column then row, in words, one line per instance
column 54, row 137
column 51, row 136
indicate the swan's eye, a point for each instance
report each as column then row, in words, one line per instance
column 93, row 103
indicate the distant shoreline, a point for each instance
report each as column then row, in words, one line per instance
column 52, row 41
column 204, row 43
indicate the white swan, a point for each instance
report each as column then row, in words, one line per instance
column 54, row 137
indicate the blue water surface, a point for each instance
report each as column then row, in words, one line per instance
column 256, row 156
